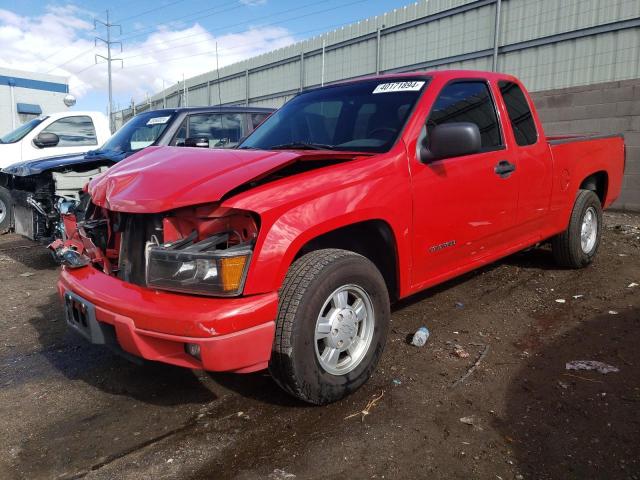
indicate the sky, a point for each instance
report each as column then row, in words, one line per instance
column 162, row 40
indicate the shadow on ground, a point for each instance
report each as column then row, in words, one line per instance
column 579, row 424
column 76, row 359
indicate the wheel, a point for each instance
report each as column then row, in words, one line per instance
column 332, row 323
column 6, row 211
column 578, row 244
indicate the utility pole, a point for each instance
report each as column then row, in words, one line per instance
column 108, row 25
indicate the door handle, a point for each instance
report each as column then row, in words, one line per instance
column 504, row 169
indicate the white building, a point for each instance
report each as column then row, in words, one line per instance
column 25, row 95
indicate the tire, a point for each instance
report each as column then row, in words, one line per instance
column 315, row 286
column 6, row 211
column 569, row 249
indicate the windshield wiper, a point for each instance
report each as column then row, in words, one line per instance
column 302, row 146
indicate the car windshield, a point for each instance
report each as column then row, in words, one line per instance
column 365, row 116
column 20, row 132
column 139, row 132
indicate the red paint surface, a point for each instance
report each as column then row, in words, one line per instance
column 458, row 199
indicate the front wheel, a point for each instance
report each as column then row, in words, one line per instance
column 578, row 244
column 6, row 211
column 331, row 327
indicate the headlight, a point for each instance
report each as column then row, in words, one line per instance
column 207, row 267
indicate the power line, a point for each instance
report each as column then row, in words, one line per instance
column 240, row 23
column 153, row 10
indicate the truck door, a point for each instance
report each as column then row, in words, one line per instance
column 535, row 166
column 463, row 206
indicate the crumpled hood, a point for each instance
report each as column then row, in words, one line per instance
column 158, row 179
column 41, row 165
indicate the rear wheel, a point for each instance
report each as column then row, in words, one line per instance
column 332, row 325
column 578, row 244
column 6, row 211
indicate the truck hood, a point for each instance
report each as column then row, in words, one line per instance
column 41, row 165
column 165, row 178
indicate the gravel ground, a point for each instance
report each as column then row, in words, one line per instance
column 71, row 410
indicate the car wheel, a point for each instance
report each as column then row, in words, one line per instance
column 6, row 211
column 578, row 244
column 332, row 325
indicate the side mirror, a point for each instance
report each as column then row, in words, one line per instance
column 46, row 140
column 451, row 140
column 200, row 142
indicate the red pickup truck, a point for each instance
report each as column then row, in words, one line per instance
column 287, row 251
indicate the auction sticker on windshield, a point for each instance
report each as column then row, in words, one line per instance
column 399, row 87
column 158, row 120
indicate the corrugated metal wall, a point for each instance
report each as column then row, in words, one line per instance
column 550, row 44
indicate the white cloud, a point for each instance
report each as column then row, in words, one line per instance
column 60, row 42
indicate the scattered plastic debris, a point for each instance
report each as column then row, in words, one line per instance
column 601, row 367
column 460, row 352
column 632, row 285
column 563, row 385
column 459, row 305
column 471, row 420
column 420, row 337
column 578, row 296
column 279, row 474
column 560, row 300
column 170, row 460
column 613, row 312
column 27, row 274
column 396, row 382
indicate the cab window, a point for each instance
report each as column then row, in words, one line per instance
column 221, row 130
column 468, row 101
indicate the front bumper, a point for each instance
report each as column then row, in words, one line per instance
column 234, row 334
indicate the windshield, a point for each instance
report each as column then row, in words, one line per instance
column 139, row 132
column 20, row 132
column 364, row 116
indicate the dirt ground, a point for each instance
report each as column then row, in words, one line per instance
column 71, row 410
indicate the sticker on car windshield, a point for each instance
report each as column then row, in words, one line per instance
column 158, row 120
column 398, row 87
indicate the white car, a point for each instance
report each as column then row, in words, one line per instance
column 53, row 135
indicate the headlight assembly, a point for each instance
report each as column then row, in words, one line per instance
column 208, row 267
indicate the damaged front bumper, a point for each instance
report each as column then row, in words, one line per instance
column 215, row 334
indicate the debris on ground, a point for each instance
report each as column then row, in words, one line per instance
column 601, row 367
column 460, row 352
column 367, row 410
column 560, row 300
column 613, row 312
column 575, row 297
column 279, row 474
column 632, row 285
column 396, row 382
column 473, row 368
column 459, row 305
column 471, row 420
column 27, row 274
column 563, row 385
column 420, row 337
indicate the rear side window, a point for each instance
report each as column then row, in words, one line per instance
column 468, row 101
column 524, row 129
column 74, row 131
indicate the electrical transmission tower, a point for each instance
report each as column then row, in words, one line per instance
column 108, row 42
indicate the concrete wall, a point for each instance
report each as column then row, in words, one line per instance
column 604, row 108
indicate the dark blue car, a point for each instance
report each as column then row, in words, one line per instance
column 34, row 193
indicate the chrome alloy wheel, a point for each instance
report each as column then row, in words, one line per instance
column 344, row 329
column 589, row 230
column 3, row 211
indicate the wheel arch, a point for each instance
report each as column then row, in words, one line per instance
column 374, row 239
column 597, row 182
